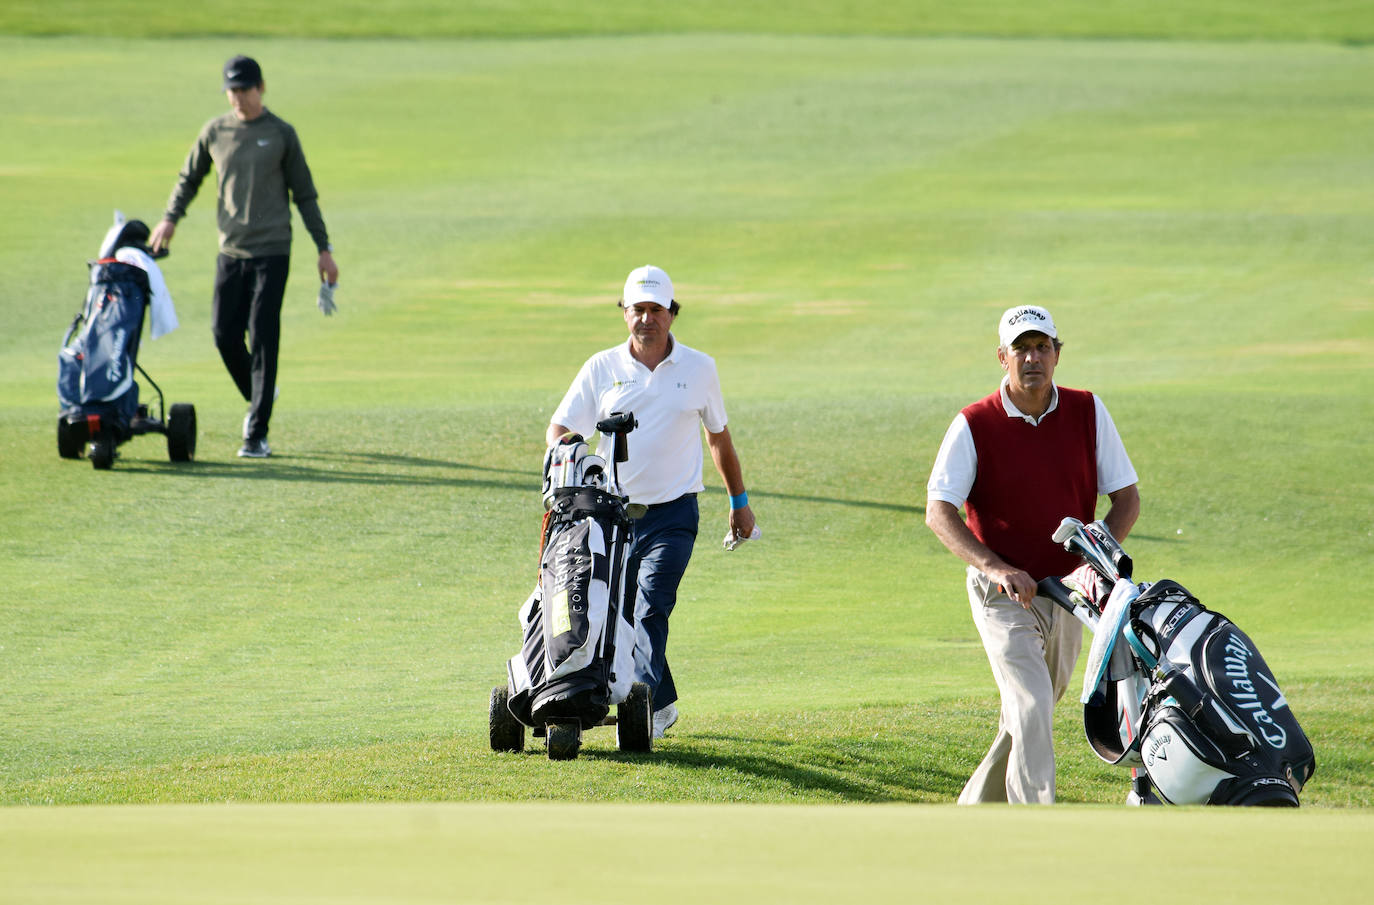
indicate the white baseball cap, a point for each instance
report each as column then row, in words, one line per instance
column 648, row 284
column 1024, row 319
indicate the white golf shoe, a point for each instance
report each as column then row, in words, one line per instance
column 664, row 718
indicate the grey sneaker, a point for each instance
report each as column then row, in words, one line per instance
column 255, row 449
column 664, row 718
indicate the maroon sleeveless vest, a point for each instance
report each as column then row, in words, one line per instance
column 1030, row 477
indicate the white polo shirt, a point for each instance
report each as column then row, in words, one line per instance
column 671, row 404
column 956, row 465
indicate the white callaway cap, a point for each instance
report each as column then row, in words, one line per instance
column 1024, row 319
column 648, row 284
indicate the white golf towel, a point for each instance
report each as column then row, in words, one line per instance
column 1109, row 627
column 164, row 313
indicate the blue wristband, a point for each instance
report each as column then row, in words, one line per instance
column 740, row 500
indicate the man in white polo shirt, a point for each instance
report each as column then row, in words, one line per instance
column 1020, row 460
column 673, row 392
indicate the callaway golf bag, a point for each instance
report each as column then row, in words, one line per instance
column 96, row 390
column 1176, row 690
column 578, row 655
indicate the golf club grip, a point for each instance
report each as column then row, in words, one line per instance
column 1054, row 589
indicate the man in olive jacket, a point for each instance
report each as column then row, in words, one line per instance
column 261, row 169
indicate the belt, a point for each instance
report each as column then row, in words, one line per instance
column 686, row 496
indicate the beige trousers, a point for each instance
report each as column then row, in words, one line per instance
column 1032, row 653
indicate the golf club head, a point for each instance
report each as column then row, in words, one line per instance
column 1067, row 529
column 1105, row 539
column 1075, row 538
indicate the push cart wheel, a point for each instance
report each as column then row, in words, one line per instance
column 68, row 439
column 181, row 432
column 507, row 733
column 101, row 453
column 564, row 740
column 634, row 722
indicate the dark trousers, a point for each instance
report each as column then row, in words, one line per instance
column 248, row 295
column 662, row 547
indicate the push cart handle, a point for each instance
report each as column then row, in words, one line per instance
column 618, row 425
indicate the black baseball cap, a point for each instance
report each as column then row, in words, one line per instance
column 242, row 72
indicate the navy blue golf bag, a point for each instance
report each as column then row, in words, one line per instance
column 95, row 366
column 96, row 390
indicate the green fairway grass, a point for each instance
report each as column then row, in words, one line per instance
column 689, row 854
column 1214, row 19
column 267, row 681
column 844, row 219
column 279, row 670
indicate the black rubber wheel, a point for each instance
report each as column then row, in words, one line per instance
column 634, row 720
column 564, row 740
column 101, row 452
column 181, row 432
column 507, row 733
column 68, row 439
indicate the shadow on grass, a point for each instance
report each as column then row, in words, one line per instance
column 346, row 468
column 851, row 770
column 391, row 468
column 835, row 501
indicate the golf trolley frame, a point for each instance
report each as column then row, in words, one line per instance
column 98, row 437
column 98, row 434
column 632, row 717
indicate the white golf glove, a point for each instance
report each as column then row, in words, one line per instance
column 325, row 300
column 733, row 540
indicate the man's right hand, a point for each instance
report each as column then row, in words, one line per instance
column 162, row 235
column 1016, row 584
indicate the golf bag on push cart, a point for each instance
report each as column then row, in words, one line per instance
column 1176, row 691
column 99, row 402
column 578, row 656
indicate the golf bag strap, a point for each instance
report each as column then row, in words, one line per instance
column 543, row 540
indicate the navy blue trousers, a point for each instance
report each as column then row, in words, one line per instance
column 662, row 547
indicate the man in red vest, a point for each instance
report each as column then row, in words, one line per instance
column 1019, row 461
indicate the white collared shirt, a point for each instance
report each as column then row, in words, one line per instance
column 671, row 403
column 956, row 465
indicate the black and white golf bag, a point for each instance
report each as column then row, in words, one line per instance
column 577, row 659
column 1178, row 691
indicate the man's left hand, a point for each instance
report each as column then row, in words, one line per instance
column 329, row 271
column 742, row 527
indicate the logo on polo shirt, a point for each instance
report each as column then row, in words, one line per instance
column 682, row 386
column 624, row 383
